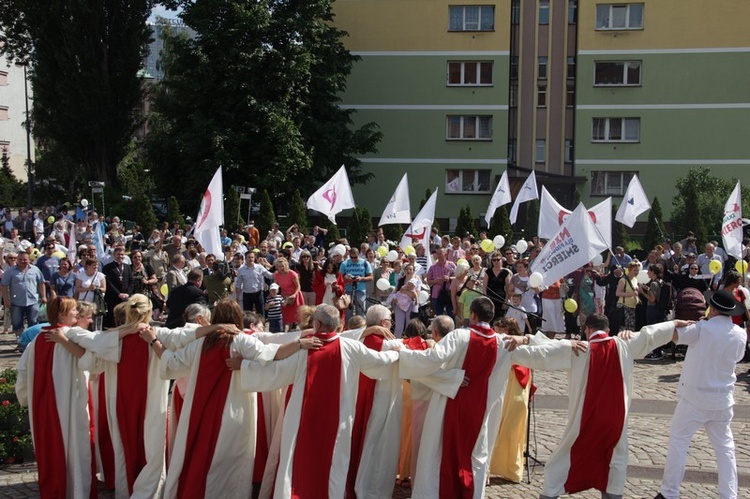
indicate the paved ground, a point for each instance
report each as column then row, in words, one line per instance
column 651, row 410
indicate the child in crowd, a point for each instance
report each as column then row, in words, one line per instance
column 517, row 312
column 464, row 300
column 273, row 309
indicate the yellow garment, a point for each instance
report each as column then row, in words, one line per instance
column 507, row 456
column 404, row 455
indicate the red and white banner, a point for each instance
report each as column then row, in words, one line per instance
column 334, row 196
column 421, row 227
column 398, row 210
column 574, row 245
column 552, row 215
column 211, row 216
column 731, row 226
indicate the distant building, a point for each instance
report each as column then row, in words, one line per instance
column 13, row 117
column 151, row 63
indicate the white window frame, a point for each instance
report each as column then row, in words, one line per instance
column 464, row 120
column 469, row 26
column 600, row 25
column 541, row 93
column 626, row 65
column 624, row 179
column 542, row 67
column 456, row 185
column 610, row 126
column 462, row 83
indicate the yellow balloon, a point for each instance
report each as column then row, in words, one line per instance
column 741, row 266
column 164, row 290
column 571, row 305
column 409, row 250
column 382, row 251
column 714, row 266
column 59, row 254
column 51, row 220
column 462, row 260
column 487, row 246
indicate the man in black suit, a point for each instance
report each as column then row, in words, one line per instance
column 119, row 283
column 185, row 295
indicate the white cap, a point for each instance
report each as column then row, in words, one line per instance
column 274, row 286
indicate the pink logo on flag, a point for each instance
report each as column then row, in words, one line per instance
column 563, row 215
column 735, row 208
column 330, row 196
column 206, row 207
column 417, row 235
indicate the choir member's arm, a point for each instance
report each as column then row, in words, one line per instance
column 256, row 377
column 276, row 338
column 58, row 336
column 22, row 379
column 650, row 337
column 149, row 336
column 548, row 355
column 176, row 364
column 288, row 349
column 445, row 382
column 377, row 365
column 415, row 364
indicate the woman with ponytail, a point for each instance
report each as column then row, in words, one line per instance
column 215, row 444
column 51, row 384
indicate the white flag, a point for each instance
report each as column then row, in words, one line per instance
column 552, row 215
column 528, row 192
column 398, row 210
column 334, row 196
column 633, row 204
column 72, row 247
column 211, row 216
column 573, row 246
column 499, row 198
column 731, row 226
column 421, row 227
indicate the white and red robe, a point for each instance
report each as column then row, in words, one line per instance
column 593, row 452
column 215, row 443
column 136, row 404
column 55, row 389
column 459, row 433
column 317, row 425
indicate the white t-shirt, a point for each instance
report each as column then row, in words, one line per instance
column 86, row 281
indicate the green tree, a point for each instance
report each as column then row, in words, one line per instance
column 264, row 134
column 654, row 228
column 699, row 204
column 620, row 235
column 465, row 223
column 298, row 212
column 10, row 187
column 83, row 59
column 144, row 213
column 427, row 195
column 267, row 216
column 360, row 225
column 393, row 232
column 333, row 234
column 232, row 209
column 501, row 225
column 173, row 212
column 532, row 219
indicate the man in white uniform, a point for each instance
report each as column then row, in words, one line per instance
column 706, row 394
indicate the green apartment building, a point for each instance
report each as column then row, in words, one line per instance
column 584, row 93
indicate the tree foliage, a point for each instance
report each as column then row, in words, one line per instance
column 263, row 81
column 699, row 204
column 232, row 209
column 83, row 59
column 427, row 195
column 144, row 213
column 532, row 219
column 11, row 190
column 500, row 225
column 466, row 223
column 620, row 234
column 174, row 215
column 393, row 232
column 654, row 228
column 360, row 225
column 333, row 232
column 267, row 215
column 298, row 212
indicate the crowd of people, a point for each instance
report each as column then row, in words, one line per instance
column 434, row 332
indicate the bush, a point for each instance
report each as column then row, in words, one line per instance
column 15, row 431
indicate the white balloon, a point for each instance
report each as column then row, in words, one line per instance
column 536, row 279
column 392, row 256
column 498, row 241
column 598, row 260
column 383, row 284
column 424, row 297
column 84, row 203
column 522, row 246
column 643, row 277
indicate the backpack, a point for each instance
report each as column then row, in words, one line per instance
column 664, row 302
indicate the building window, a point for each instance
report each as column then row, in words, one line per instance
column 464, row 181
column 3, row 78
column 541, row 93
column 512, row 150
column 540, row 151
column 571, row 67
column 616, row 130
column 572, row 7
column 474, row 73
column 617, row 73
column 542, row 67
column 469, row 128
column 568, row 150
column 619, row 16
column 471, row 18
column 610, row 183
column 515, row 12
column 4, row 113
column 514, row 66
column 570, row 93
column 543, row 11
